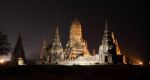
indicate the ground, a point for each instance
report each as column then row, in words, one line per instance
column 59, row 72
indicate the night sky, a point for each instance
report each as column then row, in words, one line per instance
column 37, row 20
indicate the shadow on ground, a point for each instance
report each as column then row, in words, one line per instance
column 59, row 72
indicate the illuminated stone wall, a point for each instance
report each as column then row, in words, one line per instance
column 76, row 44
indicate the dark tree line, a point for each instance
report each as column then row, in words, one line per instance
column 4, row 44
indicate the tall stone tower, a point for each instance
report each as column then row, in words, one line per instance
column 107, row 50
column 18, row 54
column 119, row 55
column 56, row 49
column 75, row 31
column 75, row 45
column 86, row 52
column 43, row 55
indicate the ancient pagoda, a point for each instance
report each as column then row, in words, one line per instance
column 18, row 54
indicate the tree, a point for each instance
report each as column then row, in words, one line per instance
column 4, row 44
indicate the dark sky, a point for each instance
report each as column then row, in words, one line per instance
column 37, row 20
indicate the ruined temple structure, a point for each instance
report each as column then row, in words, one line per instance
column 18, row 54
column 109, row 50
column 76, row 45
column 76, row 50
column 52, row 52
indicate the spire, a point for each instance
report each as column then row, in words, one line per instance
column 106, row 24
column 18, row 52
column 116, row 43
column 75, row 30
column 57, row 33
column 43, row 52
column 56, row 41
column 76, row 21
column 107, row 36
column 86, row 49
column 117, row 47
column 56, row 50
column 76, row 45
column 57, row 38
column 113, row 37
column 19, row 45
column 107, row 28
